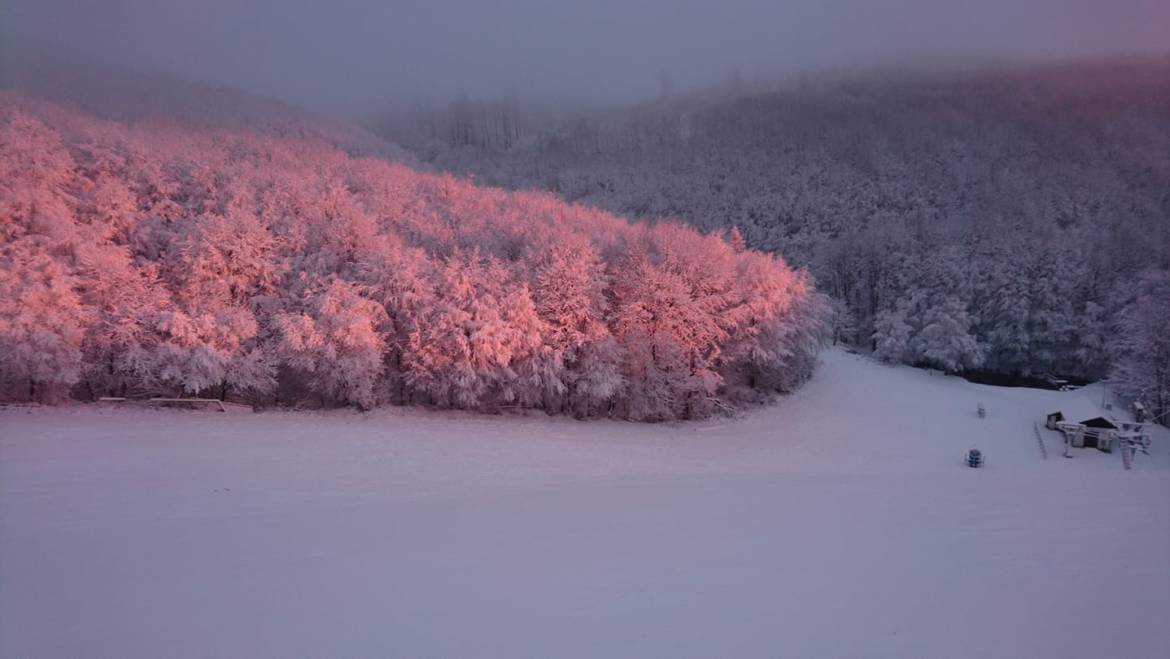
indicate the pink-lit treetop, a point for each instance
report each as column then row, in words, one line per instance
column 168, row 259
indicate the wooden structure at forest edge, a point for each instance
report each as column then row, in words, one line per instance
column 213, row 403
column 1084, row 426
column 1097, row 430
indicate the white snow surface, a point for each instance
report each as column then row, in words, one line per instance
column 839, row 522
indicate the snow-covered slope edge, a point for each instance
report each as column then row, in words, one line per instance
column 836, row 523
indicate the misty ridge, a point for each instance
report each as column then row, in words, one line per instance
column 995, row 221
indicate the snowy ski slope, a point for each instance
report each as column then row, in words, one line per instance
column 839, row 522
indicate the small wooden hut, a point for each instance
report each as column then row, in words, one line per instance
column 1084, row 425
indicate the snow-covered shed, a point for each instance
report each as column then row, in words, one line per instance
column 1085, row 424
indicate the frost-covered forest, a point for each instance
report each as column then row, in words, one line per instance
column 1011, row 221
column 164, row 257
column 992, row 222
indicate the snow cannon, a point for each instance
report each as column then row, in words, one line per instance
column 974, row 458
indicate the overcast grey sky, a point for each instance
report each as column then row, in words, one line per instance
column 347, row 55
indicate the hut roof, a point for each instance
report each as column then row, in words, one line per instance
column 1079, row 409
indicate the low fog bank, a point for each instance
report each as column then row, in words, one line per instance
column 352, row 56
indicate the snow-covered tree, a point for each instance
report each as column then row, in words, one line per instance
column 173, row 259
column 945, row 340
column 902, row 188
column 337, row 344
column 42, row 324
column 892, row 335
column 1142, row 364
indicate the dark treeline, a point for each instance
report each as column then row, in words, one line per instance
column 1010, row 220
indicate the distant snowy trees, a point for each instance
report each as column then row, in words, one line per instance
column 163, row 259
column 1141, row 368
column 963, row 220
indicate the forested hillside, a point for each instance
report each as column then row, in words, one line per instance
column 167, row 257
column 1003, row 220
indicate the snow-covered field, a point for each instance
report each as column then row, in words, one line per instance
column 836, row 523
